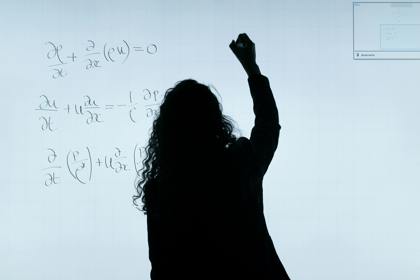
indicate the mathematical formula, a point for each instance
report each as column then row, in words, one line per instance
column 80, row 165
column 92, row 111
column 93, row 56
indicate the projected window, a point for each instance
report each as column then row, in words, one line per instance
column 386, row 30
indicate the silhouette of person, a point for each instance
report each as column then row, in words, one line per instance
column 201, row 186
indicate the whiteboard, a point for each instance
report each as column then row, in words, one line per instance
column 341, row 194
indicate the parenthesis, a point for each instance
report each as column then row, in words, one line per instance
column 128, row 51
column 131, row 116
column 105, row 52
column 110, row 164
column 68, row 166
column 90, row 161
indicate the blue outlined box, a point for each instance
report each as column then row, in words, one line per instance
column 386, row 30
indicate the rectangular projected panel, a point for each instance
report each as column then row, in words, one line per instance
column 386, row 30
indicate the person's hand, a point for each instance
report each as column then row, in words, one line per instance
column 244, row 50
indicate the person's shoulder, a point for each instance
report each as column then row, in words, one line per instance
column 241, row 150
column 240, row 144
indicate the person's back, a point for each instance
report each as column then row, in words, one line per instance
column 208, row 219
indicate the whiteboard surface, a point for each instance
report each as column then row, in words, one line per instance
column 341, row 195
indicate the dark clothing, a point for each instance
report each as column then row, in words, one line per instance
column 216, row 228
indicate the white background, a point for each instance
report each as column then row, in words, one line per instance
column 341, row 195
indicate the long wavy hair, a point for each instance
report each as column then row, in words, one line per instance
column 189, row 125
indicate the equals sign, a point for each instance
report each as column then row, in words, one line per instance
column 109, row 106
column 138, row 49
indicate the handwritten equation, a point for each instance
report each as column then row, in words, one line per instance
column 92, row 112
column 80, row 165
column 93, row 56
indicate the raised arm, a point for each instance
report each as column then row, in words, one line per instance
column 266, row 130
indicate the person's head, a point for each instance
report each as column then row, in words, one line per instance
column 190, row 127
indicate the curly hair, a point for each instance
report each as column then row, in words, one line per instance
column 189, row 122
